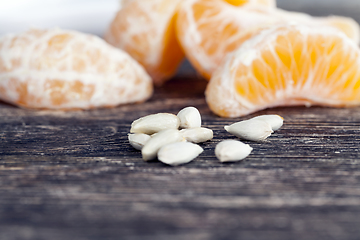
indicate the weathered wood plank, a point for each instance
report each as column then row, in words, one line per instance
column 73, row 174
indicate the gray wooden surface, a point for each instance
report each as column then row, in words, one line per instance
column 73, row 175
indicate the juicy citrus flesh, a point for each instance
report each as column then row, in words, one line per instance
column 210, row 29
column 61, row 69
column 284, row 66
column 266, row 3
column 146, row 30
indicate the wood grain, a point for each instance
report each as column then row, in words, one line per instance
column 73, row 175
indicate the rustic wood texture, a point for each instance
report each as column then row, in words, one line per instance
column 73, row 175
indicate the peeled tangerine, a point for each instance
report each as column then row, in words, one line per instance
column 61, row 69
column 210, row 29
column 287, row 65
column 146, row 30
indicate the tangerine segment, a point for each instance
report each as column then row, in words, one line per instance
column 345, row 24
column 61, row 69
column 146, row 30
column 210, row 29
column 264, row 3
column 287, row 65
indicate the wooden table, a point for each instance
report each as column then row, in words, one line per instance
column 73, row 175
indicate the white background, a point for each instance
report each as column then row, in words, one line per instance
column 90, row 16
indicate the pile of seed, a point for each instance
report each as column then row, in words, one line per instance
column 172, row 139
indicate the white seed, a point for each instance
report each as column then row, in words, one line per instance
column 155, row 123
column 197, row 135
column 150, row 149
column 275, row 121
column 232, row 151
column 179, row 153
column 138, row 140
column 189, row 117
column 253, row 130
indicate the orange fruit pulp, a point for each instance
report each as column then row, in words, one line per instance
column 287, row 65
column 146, row 30
column 62, row 69
column 210, row 29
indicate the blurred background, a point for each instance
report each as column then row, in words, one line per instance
column 90, row 16
column 349, row 8
column 93, row 16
